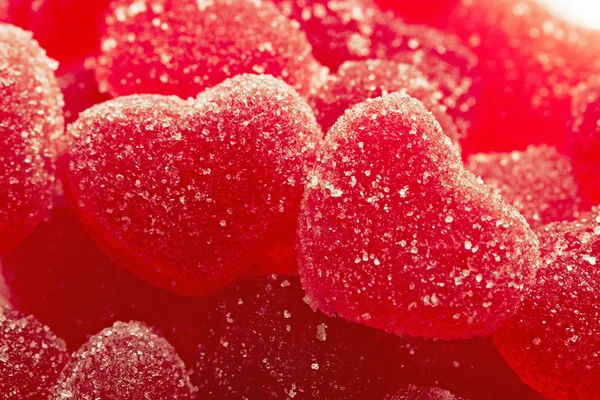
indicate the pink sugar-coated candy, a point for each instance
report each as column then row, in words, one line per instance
column 61, row 276
column 529, row 61
column 394, row 233
column 583, row 137
column 264, row 342
column 337, row 30
column 31, row 125
column 79, row 87
column 68, row 30
column 125, row 361
column 357, row 81
column 187, row 195
column 182, row 47
column 539, row 182
column 422, row 393
column 31, row 356
column 553, row 342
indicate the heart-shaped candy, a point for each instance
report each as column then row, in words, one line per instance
column 395, row 234
column 188, row 194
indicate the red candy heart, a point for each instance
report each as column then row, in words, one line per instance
column 31, row 356
column 538, row 182
column 126, row 361
column 553, row 342
column 188, row 194
column 395, row 234
column 31, row 126
column 182, row 47
column 357, row 81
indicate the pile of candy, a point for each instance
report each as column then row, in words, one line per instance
column 298, row 199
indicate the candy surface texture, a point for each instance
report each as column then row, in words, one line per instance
column 395, row 234
column 187, row 195
column 125, row 361
column 31, row 356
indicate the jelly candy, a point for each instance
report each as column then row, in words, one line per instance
column 31, row 356
column 31, row 125
column 182, row 47
column 553, row 341
column 125, row 361
column 188, row 194
column 395, row 234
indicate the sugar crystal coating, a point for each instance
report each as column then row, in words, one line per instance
column 125, row 361
column 188, row 194
column 182, row 47
column 553, row 342
column 264, row 341
column 77, row 291
column 539, row 182
column 395, row 234
column 422, row 393
column 583, row 137
column 31, row 356
column 337, row 30
column 31, row 124
column 529, row 61
column 357, row 81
